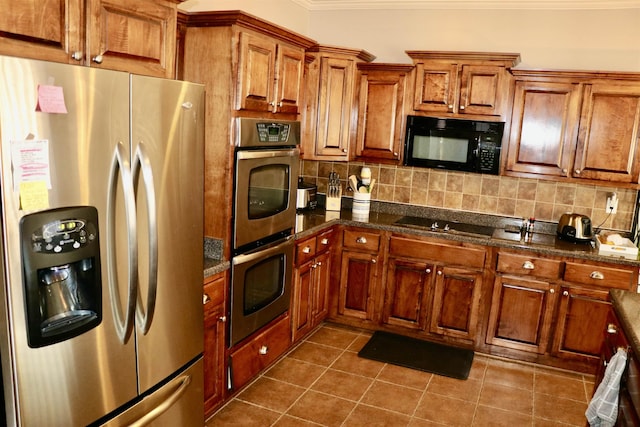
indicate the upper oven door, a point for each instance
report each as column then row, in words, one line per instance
column 265, row 194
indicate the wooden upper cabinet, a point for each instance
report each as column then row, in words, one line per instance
column 570, row 125
column 270, row 75
column 462, row 83
column 609, row 133
column 330, row 98
column 136, row 36
column 51, row 30
column 381, row 111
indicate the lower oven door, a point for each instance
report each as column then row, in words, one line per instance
column 260, row 287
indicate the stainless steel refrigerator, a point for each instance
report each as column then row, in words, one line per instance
column 101, row 318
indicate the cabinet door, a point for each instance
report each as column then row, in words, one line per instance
column 289, row 77
column 521, row 314
column 256, row 73
column 322, row 277
column 581, row 311
column 301, row 319
column 481, row 89
column 335, row 101
column 138, row 37
column 436, row 90
column 214, row 342
column 609, row 131
column 407, row 293
column 51, row 30
column 358, row 278
column 544, row 126
column 380, row 114
column 456, row 301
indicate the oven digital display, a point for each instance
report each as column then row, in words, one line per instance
column 273, row 132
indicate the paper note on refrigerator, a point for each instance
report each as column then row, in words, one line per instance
column 30, row 161
column 51, row 99
column 34, row 196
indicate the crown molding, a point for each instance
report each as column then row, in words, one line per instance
column 468, row 4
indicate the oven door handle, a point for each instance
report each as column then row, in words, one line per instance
column 263, row 252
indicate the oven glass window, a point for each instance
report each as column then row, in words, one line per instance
column 263, row 283
column 268, row 190
column 439, row 147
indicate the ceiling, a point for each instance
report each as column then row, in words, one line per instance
column 467, row 4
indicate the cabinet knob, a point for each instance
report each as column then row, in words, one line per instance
column 319, row 264
column 324, row 241
column 552, row 291
column 428, row 271
column 565, row 293
column 528, row 265
column 578, row 171
column 362, row 240
column 306, row 250
column 222, row 319
column 612, row 329
column 373, row 260
column 462, row 107
column 344, row 150
column 205, row 299
column 77, row 55
column 98, row 59
column 596, row 275
column 450, row 107
column 263, row 350
column 439, row 273
column 395, row 154
column 564, row 171
column 314, row 265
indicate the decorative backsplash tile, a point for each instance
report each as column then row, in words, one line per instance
column 488, row 194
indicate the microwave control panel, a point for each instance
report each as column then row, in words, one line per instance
column 273, row 132
column 488, row 156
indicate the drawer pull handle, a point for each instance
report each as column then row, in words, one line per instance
column 612, row 329
column 362, row 240
column 205, row 299
column 528, row 265
column 306, row 250
column 324, row 241
column 596, row 275
column 263, row 350
column 222, row 319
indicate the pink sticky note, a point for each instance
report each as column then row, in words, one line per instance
column 51, row 99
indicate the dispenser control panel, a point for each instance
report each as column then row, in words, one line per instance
column 63, row 235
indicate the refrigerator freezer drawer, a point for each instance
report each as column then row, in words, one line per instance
column 177, row 403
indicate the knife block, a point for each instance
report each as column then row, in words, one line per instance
column 334, row 203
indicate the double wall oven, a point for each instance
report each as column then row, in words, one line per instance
column 265, row 184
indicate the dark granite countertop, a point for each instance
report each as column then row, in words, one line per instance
column 627, row 308
column 544, row 239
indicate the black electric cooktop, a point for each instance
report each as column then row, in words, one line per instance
column 446, row 226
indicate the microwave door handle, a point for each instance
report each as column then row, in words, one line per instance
column 141, row 164
column 120, row 169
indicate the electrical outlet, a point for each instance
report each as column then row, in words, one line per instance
column 612, row 203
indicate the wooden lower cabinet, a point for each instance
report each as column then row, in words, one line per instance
column 521, row 313
column 407, row 293
column 215, row 324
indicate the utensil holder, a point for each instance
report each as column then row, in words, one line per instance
column 361, row 204
column 334, row 202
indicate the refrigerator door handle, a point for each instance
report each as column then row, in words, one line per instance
column 120, row 169
column 182, row 383
column 141, row 163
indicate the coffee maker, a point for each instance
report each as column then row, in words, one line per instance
column 62, row 275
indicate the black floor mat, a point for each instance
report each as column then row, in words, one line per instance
column 413, row 353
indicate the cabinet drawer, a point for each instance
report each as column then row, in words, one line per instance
column 529, row 266
column 305, row 250
column 260, row 352
column 324, row 241
column 452, row 255
column 361, row 240
column 213, row 292
column 610, row 277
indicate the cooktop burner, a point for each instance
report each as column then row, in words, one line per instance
column 446, row 227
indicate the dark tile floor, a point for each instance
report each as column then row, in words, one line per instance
column 322, row 382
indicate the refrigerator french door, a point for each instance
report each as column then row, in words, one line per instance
column 131, row 148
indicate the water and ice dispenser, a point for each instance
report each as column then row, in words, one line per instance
column 62, row 276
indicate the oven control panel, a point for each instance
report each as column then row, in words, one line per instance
column 273, row 132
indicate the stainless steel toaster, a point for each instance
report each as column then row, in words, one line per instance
column 306, row 196
column 575, row 227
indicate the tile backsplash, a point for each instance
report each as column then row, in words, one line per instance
column 488, row 194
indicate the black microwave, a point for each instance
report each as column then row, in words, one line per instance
column 453, row 144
